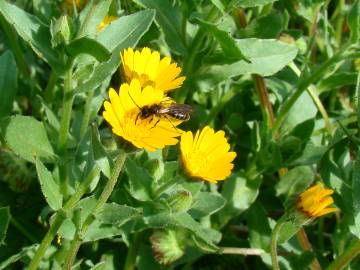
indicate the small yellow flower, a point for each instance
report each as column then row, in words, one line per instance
column 314, row 201
column 122, row 113
column 206, row 156
column 149, row 69
column 105, row 22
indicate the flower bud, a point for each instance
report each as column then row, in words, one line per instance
column 180, row 201
column 60, row 31
column 167, row 246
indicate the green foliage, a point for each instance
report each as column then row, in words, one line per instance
column 280, row 78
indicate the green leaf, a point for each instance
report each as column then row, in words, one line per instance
column 4, row 223
column 239, row 194
column 139, row 180
column 100, row 156
column 355, row 194
column 14, row 258
column 168, row 18
column 117, row 214
column 354, row 21
column 260, row 233
column 33, row 32
column 27, row 137
column 88, row 46
column 266, row 56
column 227, row 42
column 295, row 181
column 91, row 16
column 337, row 80
column 288, row 230
column 302, row 110
column 205, row 204
column 49, row 187
column 253, row 3
column 122, row 33
column 8, row 83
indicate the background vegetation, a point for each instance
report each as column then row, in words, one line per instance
column 281, row 78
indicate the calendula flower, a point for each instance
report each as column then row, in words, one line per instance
column 149, row 69
column 314, row 201
column 206, row 156
column 123, row 110
column 105, row 22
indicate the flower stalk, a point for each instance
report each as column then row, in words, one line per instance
column 75, row 244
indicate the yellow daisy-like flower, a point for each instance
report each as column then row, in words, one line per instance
column 122, row 113
column 149, row 69
column 105, row 22
column 314, row 201
column 206, row 156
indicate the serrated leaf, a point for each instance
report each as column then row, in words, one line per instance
column 49, row 187
column 27, row 137
column 33, row 32
column 205, row 204
column 88, row 46
column 4, row 223
column 8, row 82
column 168, row 18
column 117, row 214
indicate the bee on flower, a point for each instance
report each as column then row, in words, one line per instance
column 124, row 112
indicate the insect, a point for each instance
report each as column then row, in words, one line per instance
column 164, row 109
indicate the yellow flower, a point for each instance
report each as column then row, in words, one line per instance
column 105, row 22
column 149, row 69
column 122, row 113
column 206, row 156
column 314, row 201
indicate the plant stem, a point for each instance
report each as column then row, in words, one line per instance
column 306, row 245
column 60, row 217
column 75, row 245
column 242, row 251
column 64, row 129
column 48, row 92
column 303, row 85
column 132, row 252
column 274, row 238
column 265, row 103
column 344, row 259
column 87, row 113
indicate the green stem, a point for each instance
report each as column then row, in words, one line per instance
column 14, row 44
column 132, row 252
column 67, row 110
column 303, row 85
column 274, row 238
column 60, row 217
column 65, row 128
column 87, row 113
column 265, row 104
column 344, row 259
column 75, row 245
column 48, row 92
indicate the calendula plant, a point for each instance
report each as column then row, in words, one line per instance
column 156, row 134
